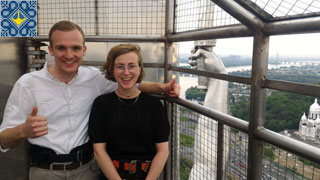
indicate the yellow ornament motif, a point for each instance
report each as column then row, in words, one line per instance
column 18, row 20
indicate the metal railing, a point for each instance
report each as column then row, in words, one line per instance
column 245, row 158
column 284, row 160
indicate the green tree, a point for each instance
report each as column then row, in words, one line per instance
column 241, row 109
column 268, row 152
column 309, row 163
column 283, row 110
column 194, row 93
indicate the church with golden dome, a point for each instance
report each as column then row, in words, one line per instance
column 309, row 127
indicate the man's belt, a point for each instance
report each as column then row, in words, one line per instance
column 61, row 166
column 41, row 154
column 132, row 166
column 46, row 158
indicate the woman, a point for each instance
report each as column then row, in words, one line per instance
column 128, row 128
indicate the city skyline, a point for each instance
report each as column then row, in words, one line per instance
column 297, row 45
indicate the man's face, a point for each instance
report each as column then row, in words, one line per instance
column 68, row 50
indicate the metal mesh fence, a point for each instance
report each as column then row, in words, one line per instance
column 238, row 155
column 196, row 145
column 185, row 136
column 144, row 17
column 196, row 151
column 131, row 17
column 81, row 12
column 200, row 14
column 280, row 164
column 283, row 8
column 98, row 17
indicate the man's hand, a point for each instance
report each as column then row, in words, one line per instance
column 35, row 126
column 172, row 88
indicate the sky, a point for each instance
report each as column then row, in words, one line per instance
column 298, row 45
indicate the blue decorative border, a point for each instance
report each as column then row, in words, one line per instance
column 18, row 18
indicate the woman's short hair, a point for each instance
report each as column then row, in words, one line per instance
column 116, row 51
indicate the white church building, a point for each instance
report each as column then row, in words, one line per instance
column 309, row 127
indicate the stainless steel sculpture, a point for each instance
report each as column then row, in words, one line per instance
column 205, row 146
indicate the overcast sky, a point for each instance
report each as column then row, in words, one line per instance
column 301, row 45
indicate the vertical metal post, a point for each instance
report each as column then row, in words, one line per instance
column 169, row 171
column 257, row 104
column 13, row 64
column 220, row 156
column 96, row 17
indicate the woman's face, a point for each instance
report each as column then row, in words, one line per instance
column 126, row 70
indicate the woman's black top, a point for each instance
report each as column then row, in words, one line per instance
column 129, row 127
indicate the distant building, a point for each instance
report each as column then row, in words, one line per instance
column 309, row 127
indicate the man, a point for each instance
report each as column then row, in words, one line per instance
column 50, row 108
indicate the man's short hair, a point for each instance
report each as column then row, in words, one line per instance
column 65, row 26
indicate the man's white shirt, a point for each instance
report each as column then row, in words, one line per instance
column 66, row 106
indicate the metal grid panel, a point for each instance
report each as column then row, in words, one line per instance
column 101, row 17
column 185, row 140
column 284, row 8
column 127, row 17
column 277, row 163
column 81, row 12
column 281, row 164
column 200, row 14
column 238, row 155
column 196, row 148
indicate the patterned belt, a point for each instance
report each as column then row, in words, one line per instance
column 131, row 166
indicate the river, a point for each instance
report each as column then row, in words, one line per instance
column 189, row 81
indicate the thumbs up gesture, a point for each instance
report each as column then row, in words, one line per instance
column 173, row 88
column 35, row 126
